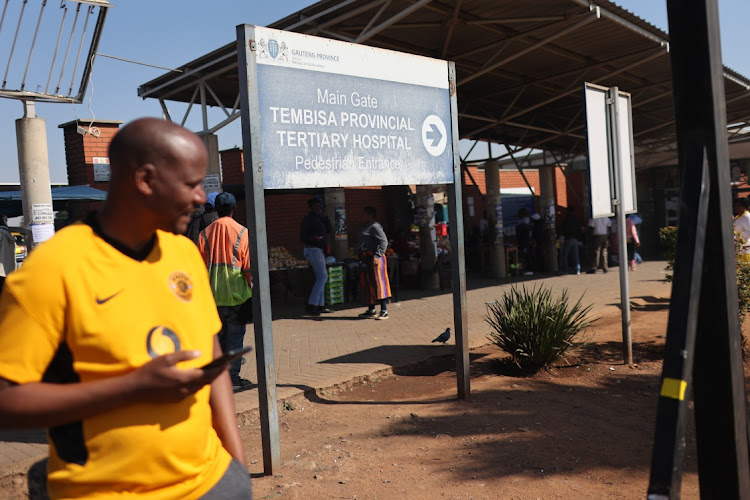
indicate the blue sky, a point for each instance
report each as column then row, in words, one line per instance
column 168, row 33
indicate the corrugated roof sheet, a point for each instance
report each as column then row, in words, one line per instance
column 520, row 65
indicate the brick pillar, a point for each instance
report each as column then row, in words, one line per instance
column 83, row 154
column 233, row 173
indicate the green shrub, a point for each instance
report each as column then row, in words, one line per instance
column 668, row 239
column 534, row 327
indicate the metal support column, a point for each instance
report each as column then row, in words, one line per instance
column 495, row 219
column 703, row 347
column 213, row 172
column 426, row 200
column 256, row 224
column 33, row 168
column 548, row 207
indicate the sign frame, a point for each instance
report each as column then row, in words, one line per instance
column 605, row 135
column 337, row 114
column 248, row 48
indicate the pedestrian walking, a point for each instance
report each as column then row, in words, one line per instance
column 599, row 237
column 371, row 246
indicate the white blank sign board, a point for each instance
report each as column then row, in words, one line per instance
column 601, row 147
column 597, row 133
column 627, row 163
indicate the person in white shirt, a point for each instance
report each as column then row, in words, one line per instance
column 599, row 238
column 742, row 226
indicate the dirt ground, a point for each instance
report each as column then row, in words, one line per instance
column 580, row 430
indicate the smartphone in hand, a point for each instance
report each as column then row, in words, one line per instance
column 226, row 358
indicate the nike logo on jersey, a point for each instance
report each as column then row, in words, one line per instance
column 107, row 299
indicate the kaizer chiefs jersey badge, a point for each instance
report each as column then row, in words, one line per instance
column 181, row 285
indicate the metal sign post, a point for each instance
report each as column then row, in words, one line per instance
column 256, row 225
column 618, row 203
column 320, row 113
column 458, row 265
column 609, row 139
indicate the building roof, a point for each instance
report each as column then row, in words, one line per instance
column 520, row 66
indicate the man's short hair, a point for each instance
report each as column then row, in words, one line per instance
column 370, row 211
column 312, row 202
column 225, row 203
column 225, row 200
column 742, row 201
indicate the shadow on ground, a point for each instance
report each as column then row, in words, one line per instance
column 36, row 436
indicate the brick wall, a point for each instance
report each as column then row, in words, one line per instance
column 514, row 179
column 232, row 168
column 356, row 200
column 80, row 151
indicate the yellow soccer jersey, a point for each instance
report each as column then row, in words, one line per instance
column 81, row 310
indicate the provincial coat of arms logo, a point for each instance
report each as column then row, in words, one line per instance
column 273, row 48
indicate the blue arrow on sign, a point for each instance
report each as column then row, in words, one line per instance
column 434, row 134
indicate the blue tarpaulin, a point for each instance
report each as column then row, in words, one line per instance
column 62, row 194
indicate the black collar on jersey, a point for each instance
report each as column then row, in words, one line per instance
column 92, row 219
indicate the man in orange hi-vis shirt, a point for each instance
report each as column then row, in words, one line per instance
column 224, row 245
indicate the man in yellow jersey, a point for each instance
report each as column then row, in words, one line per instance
column 105, row 349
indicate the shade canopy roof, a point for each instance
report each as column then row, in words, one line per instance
column 520, row 67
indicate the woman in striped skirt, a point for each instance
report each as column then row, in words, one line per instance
column 373, row 276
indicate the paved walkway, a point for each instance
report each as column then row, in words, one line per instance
column 315, row 353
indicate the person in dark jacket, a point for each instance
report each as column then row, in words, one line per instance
column 571, row 229
column 314, row 233
column 202, row 218
column 371, row 247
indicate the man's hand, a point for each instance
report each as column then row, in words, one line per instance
column 160, row 380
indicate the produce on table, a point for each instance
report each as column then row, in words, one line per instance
column 280, row 258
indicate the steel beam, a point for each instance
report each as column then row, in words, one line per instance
column 320, row 14
column 191, row 73
column 575, row 88
column 392, row 20
column 375, row 18
column 451, row 27
column 587, row 19
column 511, row 20
column 348, row 15
column 507, row 38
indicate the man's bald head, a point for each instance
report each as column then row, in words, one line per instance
column 150, row 141
column 156, row 173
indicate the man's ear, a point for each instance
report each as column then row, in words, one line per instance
column 144, row 178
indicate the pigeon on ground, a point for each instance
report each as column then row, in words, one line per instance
column 443, row 337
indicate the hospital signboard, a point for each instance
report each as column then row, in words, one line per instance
column 334, row 114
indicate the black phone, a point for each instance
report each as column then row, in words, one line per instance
column 226, row 358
